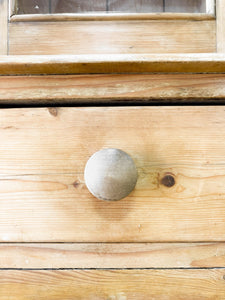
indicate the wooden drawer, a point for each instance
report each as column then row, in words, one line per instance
column 43, row 152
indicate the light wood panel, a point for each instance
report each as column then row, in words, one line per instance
column 115, row 255
column 118, row 88
column 135, row 6
column 3, row 27
column 97, row 64
column 32, row 6
column 111, row 285
column 220, row 12
column 110, row 37
column 191, row 6
column 54, row 144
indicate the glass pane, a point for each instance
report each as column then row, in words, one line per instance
column 104, row 6
column 188, row 6
column 32, row 6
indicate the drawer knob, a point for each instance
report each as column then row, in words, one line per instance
column 110, row 174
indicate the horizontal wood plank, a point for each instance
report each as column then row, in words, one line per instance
column 43, row 153
column 113, row 284
column 115, row 88
column 110, row 37
column 116, row 255
column 98, row 64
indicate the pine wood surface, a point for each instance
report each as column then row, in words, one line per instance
column 112, row 88
column 111, row 16
column 112, row 284
column 98, row 64
column 110, row 37
column 108, row 255
column 43, row 153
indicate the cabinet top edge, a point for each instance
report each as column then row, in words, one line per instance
column 115, row 63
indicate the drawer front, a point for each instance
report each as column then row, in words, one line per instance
column 43, row 152
column 112, row 284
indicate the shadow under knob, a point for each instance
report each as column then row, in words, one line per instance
column 110, row 174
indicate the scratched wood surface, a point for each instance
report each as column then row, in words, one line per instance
column 112, row 88
column 110, row 37
column 116, row 255
column 43, row 154
column 112, row 284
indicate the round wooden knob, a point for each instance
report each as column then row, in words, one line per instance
column 110, row 174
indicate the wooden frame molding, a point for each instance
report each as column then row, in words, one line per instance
column 220, row 18
column 12, row 7
column 3, row 27
column 111, row 17
column 100, row 64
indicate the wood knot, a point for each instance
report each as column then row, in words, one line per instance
column 76, row 184
column 53, row 111
column 168, row 180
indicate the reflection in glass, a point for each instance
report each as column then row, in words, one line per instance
column 114, row 6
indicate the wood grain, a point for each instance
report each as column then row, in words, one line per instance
column 188, row 6
column 116, row 255
column 3, row 27
column 220, row 8
column 32, row 6
column 118, row 88
column 97, row 64
column 113, row 284
column 53, row 145
column 110, row 37
column 135, row 6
